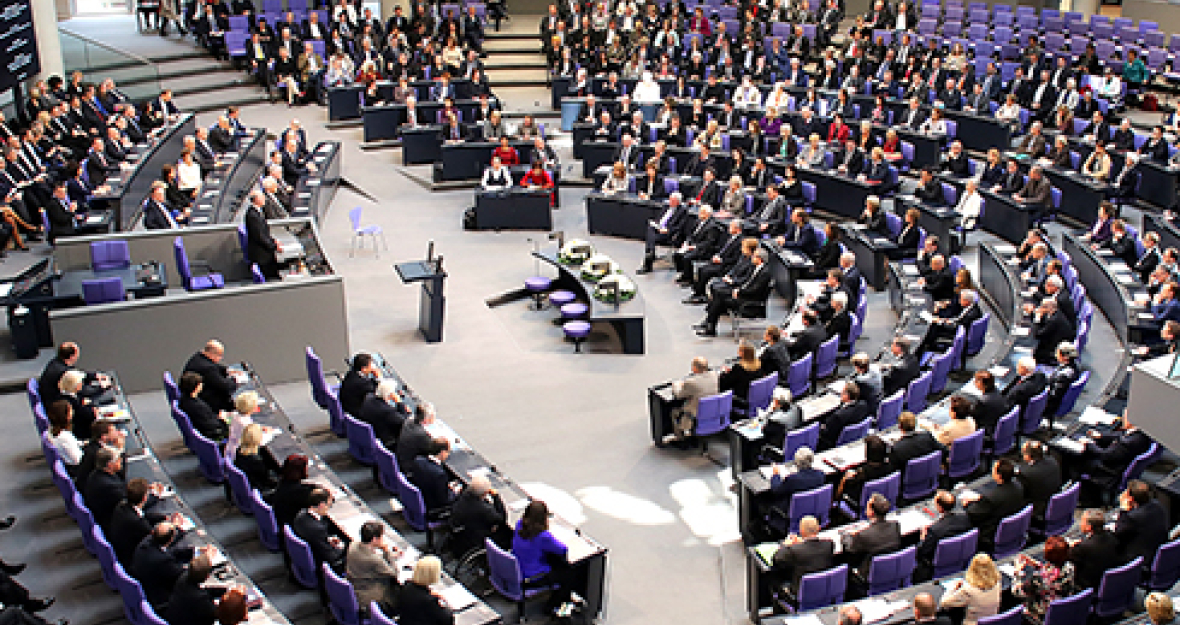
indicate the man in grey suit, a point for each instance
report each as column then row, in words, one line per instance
column 372, row 568
column 702, row 382
column 880, row 537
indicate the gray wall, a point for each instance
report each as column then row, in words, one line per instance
column 1168, row 15
column 267, row 325
column 1153, row 400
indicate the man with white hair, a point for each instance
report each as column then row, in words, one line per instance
column 383, row 410
column 851, row 279
column 801, row 477
column 958, row 314
column 1028, row 383
column 479, row 512
column 221, row 136
column 840, row 323
column 1051, row 328
column 273, row 206
column 261, row 248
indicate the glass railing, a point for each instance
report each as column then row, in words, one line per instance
column 135, row 75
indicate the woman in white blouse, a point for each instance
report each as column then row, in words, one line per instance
column 188, row 173
column 969, row 206
column 497, row 176
column 1009, row 112
column 245, row 404
column 979, row 591
column 648, row 90
column 617, row 182
column 61, row 418
column 813, row 154
column 936, row 125
column 747, row 95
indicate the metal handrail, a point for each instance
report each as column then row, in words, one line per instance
column 133, row 58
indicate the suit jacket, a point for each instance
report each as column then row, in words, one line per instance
column 1116, row 454
column 432, row 480
column 156, row 216
column 757, row 285
column 128, row 528
column 413, row 441
column 418, row 606
column 880, row 537
column 1036, row 191
column 912, row 445
column 801, row 238
column 191, row 604
column 783, row 488
column 807, row 342
column 947, row 526
column 260, row 245
column 103, row 492
column 1141, row 530
column 1020, row 390
column 373, row 574
column 1050, row 331
column 385, row 418
column 988, row 409
column 1040, row 482
column 315, row 532
column 204, row 420
column 995, row 502
column 1093, row 556
column 288, row 500
column 353, row 390
column 218, row 388
column 840, row 418
column 220, row 139
column 810, row 556
column 940, row 284
column 158, row 569
column 901, row 374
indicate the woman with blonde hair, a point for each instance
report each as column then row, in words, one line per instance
column 418, row 603
column 738, row 377
column 979, row 591
column 245, row 404
column 1159, row 608
column 250, row 461
column 617, row 182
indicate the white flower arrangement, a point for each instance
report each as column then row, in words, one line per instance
column 604, row 291
column 575, row 252
column 599, row 266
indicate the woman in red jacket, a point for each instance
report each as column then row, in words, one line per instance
column 539, row 178
column 508, row 154
column 838, row 131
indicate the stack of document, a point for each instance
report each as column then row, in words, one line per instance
column 1093, row 415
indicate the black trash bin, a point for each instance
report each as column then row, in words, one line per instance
column 23, row 332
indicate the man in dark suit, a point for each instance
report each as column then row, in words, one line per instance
column 326, row 541
column 800, row 235
column 1002, row 498
column 221, row 136
column 950, row 523
column 158, row 562
column 905, row 366
column 66, row 359
column 361, row 380
column 191, row 601
column 105, row 486
column 926, row 611
column 295, row 166
column 719, row 264
column 432, row 480
column 880, row 537
column 809, row 340
column 157, row 215
column 711, row 192
column 960, row 314
column 103, row 435
column 261, row 247
column 480, row 513
column 852, row 410
column 671, row 228
column 131, row 522
column 1142, row 525
column 991, row 405
column 1096, row 553
column 627, row 152
column 702, row 240
column 217, row 385
column 914, row 443
column 771, row 219
column 784, row 483
column 203, row 418
column 807, row 124
column 1111, row 453
column 414, row 440
column 938, row 280
column 1039, row 475
column 383, row 411
column 852, row 278
column 913, row 117
column 755, row 289
column 1050, row 328
column 1028, row 384
column 803, row 554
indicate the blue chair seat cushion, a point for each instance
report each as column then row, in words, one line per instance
column 537, row 283
column 211, row 281
column 562, row 297
column 576, row 329
column 574, row 310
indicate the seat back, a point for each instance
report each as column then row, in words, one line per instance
column 713, row 413
column 341, row 597
column 920, row 478
column 940, row 370
column 890, row 410
column 799, row 377
column 504, row 572
column 105, row 255
column 1059, row 511
column 1011, row 532
column 387, row 468
column 256, row 274
column 977, row 334
column 33, row 390
column 354, row 218
column 822, row 589
column 1117, row 590
column 302, row 562
column 336, row 416
column 239, row 486
column 854, row 432
column 964, row 456
column 1004, row 438
column 803, row 437
column 378, row 617
column 816, row 502
column 760, row 393
column 132, row 593
column 958, row 348
column 360, row 440
column 413, row 507
column 103, row 290
column 1165, row 568
column 268, row 526
column 315, row 375
column 1071, row 396
column 915, row 397
column 170, row 388
column 182, row 265
column 208, row 458
column 825, row 361
column 953, row 554
column 1011, row 617
column 888, row 572
column 1069, row 610
column 1139, row 465
column 1032, row 414
column 888, row 487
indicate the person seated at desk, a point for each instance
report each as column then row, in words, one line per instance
column 250, row 461
column 961, row 423
column 1035, row 194
column 840, row 322
column 702, row 239
column 371, row 567
column 737, row 378
column 876, row 466
column 81, row 408
column 850, row 161
column 650, row 185
column 419, row 603
column 217, row 385
column 1033, row 144
column 829, row 254
column 1097, row 130
column 1121, row 243
column 950, row 523
column 361, row 380
column 800, row 234
column 755, row 288
column 803, row 554
column 1124, row 186
column 506, row 153
column 497, row 177
column 978, row 592
column 955, row 162
column 1012, row 181
column 672, row 229
column 1096, row 553
column 452, row 131
column 538, row 179
column 1124, row 137
column 908, row 239
column 902, row 366
column 1156, row 146
column 61, row 434
column 158, row 562
column 882, row 536
column 1051, row 328
column 873, row 217
column 800, row 477
column 479, row 513
column 821, row 304
column 1098, row 164
column 618, row 182
column 851, row 411
column 929, row 190
column 327, row 543
column 1151, row 257
column 1040, row 582
column 809, row 339
column 729, row 266
column 1001, row 498
column 733, row 201
column 1142, row 523
column 701, row 382
column 429, row 474
column 868, row 378
column 493, row 127
column 1060, row 156
column 877, row 170
column 291, row 494
column 543, row 559
column 383, row 411
column 157, row 214
column 1029, row 383
column 990, row 405
column 66, row 359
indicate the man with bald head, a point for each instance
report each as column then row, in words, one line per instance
column 804, row 554
column 700, row 383
column 926, row 611
column 221, row 136
column 218, row 386
column 67, row 360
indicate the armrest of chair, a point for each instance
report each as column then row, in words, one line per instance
column 207, row 268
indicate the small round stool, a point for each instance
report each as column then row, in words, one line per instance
column 578, row 331
column 537, row 285
column 574, row 310
column 560, row 298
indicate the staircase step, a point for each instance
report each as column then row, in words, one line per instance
column 497, row 60
column 492, row 35
column 498, row 77
column 212, row 81
column 495, row 47
column 217, row 100
column 195, row 52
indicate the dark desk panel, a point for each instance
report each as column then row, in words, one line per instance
column 980, row 132
column 624, row 216
column 836, row 193
column 344, row 102
column 1080, row 196
column 1004, row 217
column 1157, row 183
column 788, row 267
column 938, row 221
column 421, row 144
column 467, row 160
column 513, row 209
column 872, row 255
column 595, row 154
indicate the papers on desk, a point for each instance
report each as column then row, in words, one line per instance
column 1124, row 278
column 186, row 524
column 303, row 195
column 1146, row 317
column 1004, row 249
column 5, row 289
column 218, row 558
column 1008, row 569
column 440, row 429
column 806, row 619
column 314, row 182
column 819, row 406
column 456, row 596
column 269, row 434
column 998, row 371
column 910, row 270
column 913, row 338
column 949, row 584
column 200, row 220
column 766, row 551
column 971, row 389
column 926, row 316
column 877, row 609
column 1141, row 298
column 114, row 180
column 967, row 493
column 114, row 414
column 1021, row 331
column 1069, row 444
column 912, row 520
column 1093, row 415
column 837, row 386
column 94, row 219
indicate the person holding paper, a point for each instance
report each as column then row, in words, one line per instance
column 419, row 603
column 158, row 562
column 192, row 599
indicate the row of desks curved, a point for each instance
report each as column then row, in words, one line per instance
column 141, row 461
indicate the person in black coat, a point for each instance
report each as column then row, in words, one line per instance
column 66, row 359
column 1142, row 525
column 1028, row 384
column 800, row 235
column 358, row 383
column 131, row 522
column 1111, row 454
column 800, row 478
column 851, row 411
column 738, row 377
column 251, row 462
column 479, row 513
column 1051, row 329
column 875, row 467
column 914, row 443
column 105, row 488
column 950, row 523
column 702, row 240
column 905, row 368
column 158, row 562
column 1040, row 476
column 417, row 604
column 414, row 439
column 995, row 501
column 261, row 247
column 756, row 288
column 938, row 280
column 217, row 386
column 809, row 340
column 383, row 411
column 292, row 493
column 804, row 554
column 202, row 417
column 991, row 405
column 880, row 537
column 1096, row 553
column 312, row 524
column 190, row 602
column 430, row 476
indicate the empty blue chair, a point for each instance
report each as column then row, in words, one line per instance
column 713, row 413
column 915, row 398
column 303, row 570
column 377, row 616
column 760, row 393
column 209, row 458
column 803, row 437
column 890, row 410
column 190, row 281
column 816, row 502
column 1059, row 511
column 977, row 334
column 1117, row 590
column 360, row 440
column 132, row 593
column 336, row 416
column 1165, row 567
column 825, row 358
column 920, row 478
column 170, row 388
column 1011, row 532
column 1004, row 437
column 940, row 370
column 244, row 243
column 387, row 469
column 1032, row 414
column 106, row 557
column 33, row 390
column 103, row 291
column 341, row 597
column 888, row 572
column 238, row 486
column 1011, row 617
column 854, row 432
column 256, row 274
column 819, row 590
column 1069, row 610
column 799, row 377
column 268, row 527
column 149, row 613
column 964, row 455
column 1071, row 395
column 952, row 555
column 360, row 232
column 107, row 255
column 315, row 375
column 505, row 576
